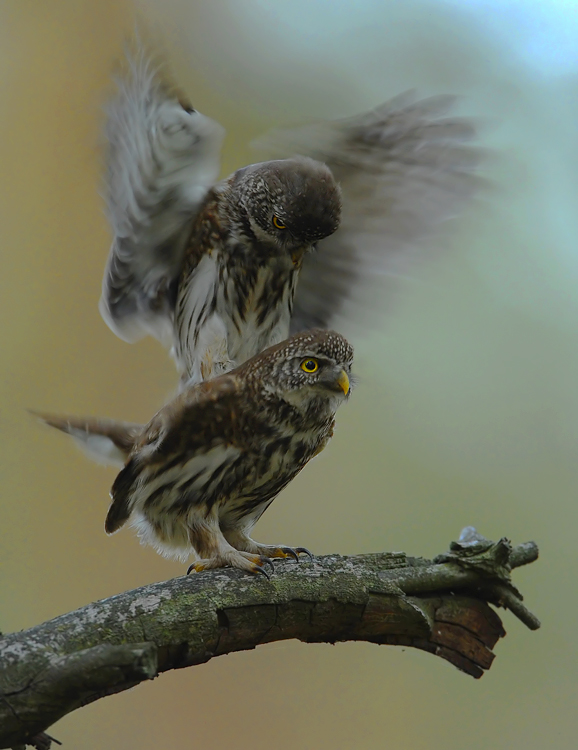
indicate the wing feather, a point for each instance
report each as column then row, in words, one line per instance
column 162, row 158
column 196, row 420
column 104, row 440
column 120, row 508
column 404, row 168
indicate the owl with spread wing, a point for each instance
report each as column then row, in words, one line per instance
column 198, row 477
column 220, row 270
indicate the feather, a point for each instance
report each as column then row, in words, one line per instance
column 162, row 158
column 403, row 169
column 104, row 440
column 119, row 510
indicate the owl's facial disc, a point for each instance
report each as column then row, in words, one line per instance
column 331, row 376
column 310, row 369
column 316, row 376
column 291, row 204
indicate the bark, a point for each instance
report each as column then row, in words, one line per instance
column 440, row 606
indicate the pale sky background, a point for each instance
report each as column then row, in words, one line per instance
column 467, row 407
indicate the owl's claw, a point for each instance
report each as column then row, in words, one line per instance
column 197, row 567
column 281, row 551
column 241, row 560
column 294, row 552
column 288, row 552
column 257, row 563
column 260, row 569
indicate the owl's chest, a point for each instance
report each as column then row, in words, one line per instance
column 252, row 300
column 256, row 304
column 234, row 300
column 273, row 464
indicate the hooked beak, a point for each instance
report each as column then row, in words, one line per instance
column 336, row 380
column 297, row 256
column 343, row 382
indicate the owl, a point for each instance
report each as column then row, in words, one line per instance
column 220, row 270
column 200, row 474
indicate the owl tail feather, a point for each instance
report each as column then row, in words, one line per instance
column 104, row 440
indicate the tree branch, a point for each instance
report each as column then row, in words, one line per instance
column 385, row 598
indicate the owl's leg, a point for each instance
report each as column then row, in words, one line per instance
column 209, row 356
column 213, row 349
column 242, row 542
column 215, row 552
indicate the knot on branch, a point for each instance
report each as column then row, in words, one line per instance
column 472, row 551
column 493, row 562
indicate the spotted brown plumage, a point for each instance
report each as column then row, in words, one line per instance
column 220, row 270
column 205, row 468
column 235, row 291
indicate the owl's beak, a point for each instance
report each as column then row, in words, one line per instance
column 297, row 256
column 335, row 380
column 343, row 382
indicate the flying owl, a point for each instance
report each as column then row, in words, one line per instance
column 201, row 473
column 219, row 270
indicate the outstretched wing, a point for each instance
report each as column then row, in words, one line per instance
column 403, row 168
column 162, row 158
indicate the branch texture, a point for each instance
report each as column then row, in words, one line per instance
column 103, row 648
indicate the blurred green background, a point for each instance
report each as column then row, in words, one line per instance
column 467, row 407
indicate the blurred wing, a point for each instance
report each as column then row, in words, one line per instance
column 162, row 158
column 403, row 168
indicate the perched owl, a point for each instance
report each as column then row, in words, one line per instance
column 220, row 270
column 202, row 472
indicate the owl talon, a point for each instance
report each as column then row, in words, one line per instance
column 258, row 569
column 274, row 551
column 289, row 552
column 250, row 563
column 266, row 561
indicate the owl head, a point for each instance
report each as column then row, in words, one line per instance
column 289, row 203
column 310, row 368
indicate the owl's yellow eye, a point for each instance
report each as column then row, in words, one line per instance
column 310, row 365
column 277, row 224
